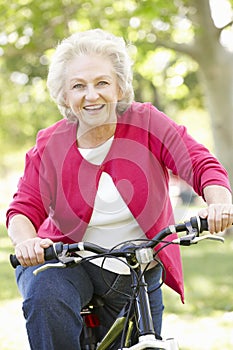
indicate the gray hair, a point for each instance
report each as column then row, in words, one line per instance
column 98, row 42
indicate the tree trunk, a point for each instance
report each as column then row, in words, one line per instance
column 217, row 77
column 216, row 71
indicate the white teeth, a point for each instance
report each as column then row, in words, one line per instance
column 93, row 108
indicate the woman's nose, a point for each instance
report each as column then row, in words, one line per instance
column 91, row 93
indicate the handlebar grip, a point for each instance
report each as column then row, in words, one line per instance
column 14, row 261
column 203, row 225
column 49, row 254
column 199, row 223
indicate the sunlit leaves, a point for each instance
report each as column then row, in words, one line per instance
column 29, row 31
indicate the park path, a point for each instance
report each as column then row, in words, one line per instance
column 13, row 334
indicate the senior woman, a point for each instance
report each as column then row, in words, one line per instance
column 100, row 174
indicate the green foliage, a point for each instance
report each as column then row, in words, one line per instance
column 29, row 30
column 8, row 289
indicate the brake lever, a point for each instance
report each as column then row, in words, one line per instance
column 48, row 266
column 193, row 239
column 69, row 261
column 211, row 237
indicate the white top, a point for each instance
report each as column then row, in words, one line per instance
column 111, row 221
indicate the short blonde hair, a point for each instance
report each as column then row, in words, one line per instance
column 97, row 42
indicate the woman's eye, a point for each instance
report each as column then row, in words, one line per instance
column 78, row 86
column 102, row 83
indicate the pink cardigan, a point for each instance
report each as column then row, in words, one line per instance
column 58, row 188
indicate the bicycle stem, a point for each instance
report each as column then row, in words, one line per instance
column 145, row 323
column 143, row 311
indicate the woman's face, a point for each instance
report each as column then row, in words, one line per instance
column 91, row 90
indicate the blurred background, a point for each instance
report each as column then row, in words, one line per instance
column 183, row 64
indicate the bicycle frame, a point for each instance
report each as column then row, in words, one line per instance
column 142, row 312
column 145, row 324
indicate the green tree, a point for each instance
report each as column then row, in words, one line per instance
column 179, row 51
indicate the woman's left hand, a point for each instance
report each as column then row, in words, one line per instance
column 219, row 216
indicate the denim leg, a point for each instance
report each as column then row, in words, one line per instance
column 153, row 279
column 115, row 300
column 53, row 300
column 103, row 282
column 52, row 303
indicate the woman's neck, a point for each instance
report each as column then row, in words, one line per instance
column 95, row 136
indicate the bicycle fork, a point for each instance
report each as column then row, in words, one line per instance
column 147, row 337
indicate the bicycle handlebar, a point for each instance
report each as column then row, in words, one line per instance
column 194, row 225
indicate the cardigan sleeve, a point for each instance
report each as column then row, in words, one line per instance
column 36, row 188
column 183, row 155
column 32, row 197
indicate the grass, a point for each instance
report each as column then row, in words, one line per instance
column 206, row 317
column 8, row 287
column 208, row 277
column 208, row 309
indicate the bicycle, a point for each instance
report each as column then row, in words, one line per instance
column 133, row 328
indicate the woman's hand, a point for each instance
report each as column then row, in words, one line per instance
column 29, row 248
column 219, row 216
column 30, row 252
column 219, row 212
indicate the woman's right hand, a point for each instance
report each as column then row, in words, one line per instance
column 30, row 252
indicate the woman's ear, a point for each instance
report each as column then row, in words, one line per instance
column 120, row 94
column 66, row 100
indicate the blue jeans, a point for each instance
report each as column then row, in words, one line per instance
column 53, row 300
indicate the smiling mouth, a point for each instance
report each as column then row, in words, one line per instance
column 93, row 108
